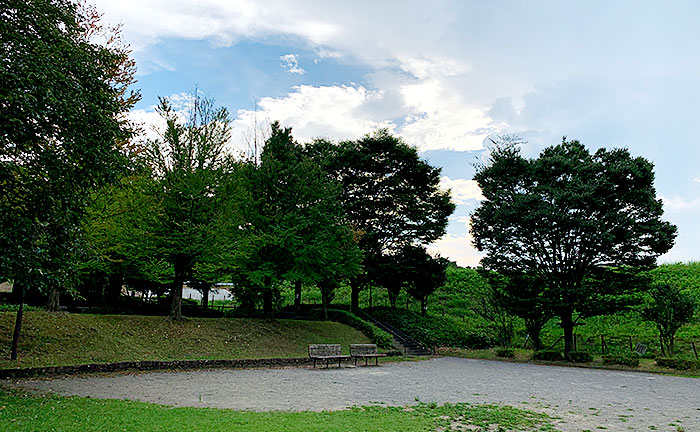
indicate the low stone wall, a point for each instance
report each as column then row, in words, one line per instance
column 151, row 365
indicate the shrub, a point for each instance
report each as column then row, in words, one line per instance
column 677, row 363
column 432, row 331
column 374, row 333
column 579, row 357
column 548, row 355
column 5, row 307
column 505, row 352
column 622, row 358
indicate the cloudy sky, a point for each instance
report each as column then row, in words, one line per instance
column 444, row 75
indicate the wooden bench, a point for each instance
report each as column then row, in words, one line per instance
column 365, row 351
column 326, row 352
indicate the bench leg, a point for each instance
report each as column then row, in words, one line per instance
column 326, row 363
column 365, row 361
column 314, row 363
column 376, row 361
column 339, row 360
column 355, row 361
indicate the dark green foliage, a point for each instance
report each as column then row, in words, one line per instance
column 189, row 164
column 548, row 355
column 669, row 308
column 569, row 215
column 579, row 357
column 432, row 331
column 390, row 196
column 423, row 272
column 521, row 295
column 505, row 352
column 677, row 363
column 296, row 229
column 378, row 336
column 63, row 100
column 625, row 358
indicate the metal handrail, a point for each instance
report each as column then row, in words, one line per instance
column 403, row 337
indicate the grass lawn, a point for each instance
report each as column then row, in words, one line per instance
column 36, row 413
column 57, row 339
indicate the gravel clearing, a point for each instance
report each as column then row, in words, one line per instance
column 582, row 399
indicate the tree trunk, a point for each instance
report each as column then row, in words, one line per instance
column 297, row 296
column 205, row 295
column 354, row 294
column 267, row 298
column 114, row 290
column 324, row 301
column 393, row 295
column 17, row 293
column 181, row 264
column 567, row 324
column 534, row 329
column 18, row 321
column 54, row 302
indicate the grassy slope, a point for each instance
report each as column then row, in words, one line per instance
column 29, row 413
column 64, row 339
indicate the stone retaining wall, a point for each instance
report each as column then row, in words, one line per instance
column 151, row 365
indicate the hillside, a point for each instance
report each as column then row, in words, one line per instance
column 67, row 339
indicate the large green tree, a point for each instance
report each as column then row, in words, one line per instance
column 566, row 216
column 190, row 165
column 63, row 131
column 390, row 195
column 297, row 230
column 424, row 273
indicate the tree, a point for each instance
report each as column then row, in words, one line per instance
column 424, row 273
column 190, row 164
column 568, row 215
column 522, row 295
column 297, row 231
column 64, row 131
column 669, row 308
column 390, row 196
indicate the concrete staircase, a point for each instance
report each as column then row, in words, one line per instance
column 403, row 342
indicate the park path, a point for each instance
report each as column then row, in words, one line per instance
column 583, row 399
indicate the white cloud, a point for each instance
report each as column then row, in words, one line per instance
column 679, row 204
column 347, row 112
column 696, row 179
column 457, row 248
column 462, row 190
column 312, row 112
column 291, row 64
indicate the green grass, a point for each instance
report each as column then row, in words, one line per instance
column 36, row 413
column 57, row 339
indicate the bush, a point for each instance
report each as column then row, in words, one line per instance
column 548, row 355
column 378, row 336
column 624, row 358
column 579, row 357
column 432, row 331
column 505, row 353
column 677, row 363
column 7, row 307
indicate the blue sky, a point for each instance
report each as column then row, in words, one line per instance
column 444, row 75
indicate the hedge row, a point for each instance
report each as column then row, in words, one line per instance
column 677, row 363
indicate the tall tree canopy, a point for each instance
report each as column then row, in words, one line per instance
column 390, row 195
column 190, row 165
column 297, row 230
column 63, row 130
column 566, row 216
